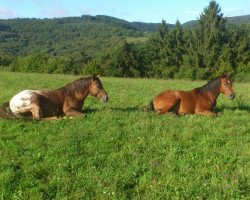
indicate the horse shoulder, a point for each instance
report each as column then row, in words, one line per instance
column 204, row 102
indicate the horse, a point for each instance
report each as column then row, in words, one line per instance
column 201, row 100
column 65, row 101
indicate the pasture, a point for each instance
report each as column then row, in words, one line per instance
column 120, row 150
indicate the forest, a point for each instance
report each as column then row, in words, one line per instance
column 201, row 49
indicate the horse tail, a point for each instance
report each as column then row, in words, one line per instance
column 151, row 106
column 4, row 113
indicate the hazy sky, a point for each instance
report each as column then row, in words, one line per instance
column 130, row 10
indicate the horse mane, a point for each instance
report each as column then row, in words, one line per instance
column 77, row 85
column 211, row 85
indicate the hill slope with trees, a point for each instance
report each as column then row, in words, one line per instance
column 67, row 35
column 200, row 49
column 237, row 20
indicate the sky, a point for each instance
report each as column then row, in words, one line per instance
column 130, row 10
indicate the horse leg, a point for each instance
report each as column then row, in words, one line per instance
column 205, row 112
column 35, row 107
column 36, row 111
column 166, row 102
column 73, row 113
column 50, row 118
column 171, row 107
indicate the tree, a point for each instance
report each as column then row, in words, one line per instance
column 176, row 46
column 122, row 62
column 163, row 29
column 208, row 39
column 92, row 67
column 5, row 60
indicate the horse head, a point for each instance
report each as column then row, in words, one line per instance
column 96, row 89
column 226, row 86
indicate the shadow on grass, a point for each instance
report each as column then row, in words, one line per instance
column 127, row 109
column 90, row 110
column 234, row 108
column 145, row 109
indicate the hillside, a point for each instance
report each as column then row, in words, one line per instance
column 115, row 47
column 237, row 20
column 245, row 19
column 57, row 36
column 72, row 35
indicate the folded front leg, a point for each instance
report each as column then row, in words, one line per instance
column 206, row 112
column 73, row 113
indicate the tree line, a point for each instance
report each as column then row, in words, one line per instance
column 210, row 48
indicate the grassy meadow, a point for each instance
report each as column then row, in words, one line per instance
column 120, row 150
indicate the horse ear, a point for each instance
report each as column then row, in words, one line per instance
column 95, row 76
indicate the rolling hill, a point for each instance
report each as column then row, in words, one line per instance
column 245, row 19
column 88, row 34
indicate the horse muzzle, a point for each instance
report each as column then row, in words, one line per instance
column 105, row 98
column 231, row 96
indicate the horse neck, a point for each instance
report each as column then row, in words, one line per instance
column 79, row 89
column 211, row 90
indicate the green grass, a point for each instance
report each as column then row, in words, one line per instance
column 119, row 150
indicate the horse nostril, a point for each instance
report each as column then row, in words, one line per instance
column 232, row 96
column 105, row 98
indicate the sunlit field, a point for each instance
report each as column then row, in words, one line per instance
column 120, row 150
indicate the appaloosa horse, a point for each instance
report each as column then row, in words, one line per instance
column 200, row 100
column 65, row 101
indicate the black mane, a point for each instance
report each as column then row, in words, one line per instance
column 212, row 85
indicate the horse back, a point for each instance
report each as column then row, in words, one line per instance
column 54, row 96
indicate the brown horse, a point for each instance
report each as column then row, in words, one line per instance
column 65, row 101
column 200, row 100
